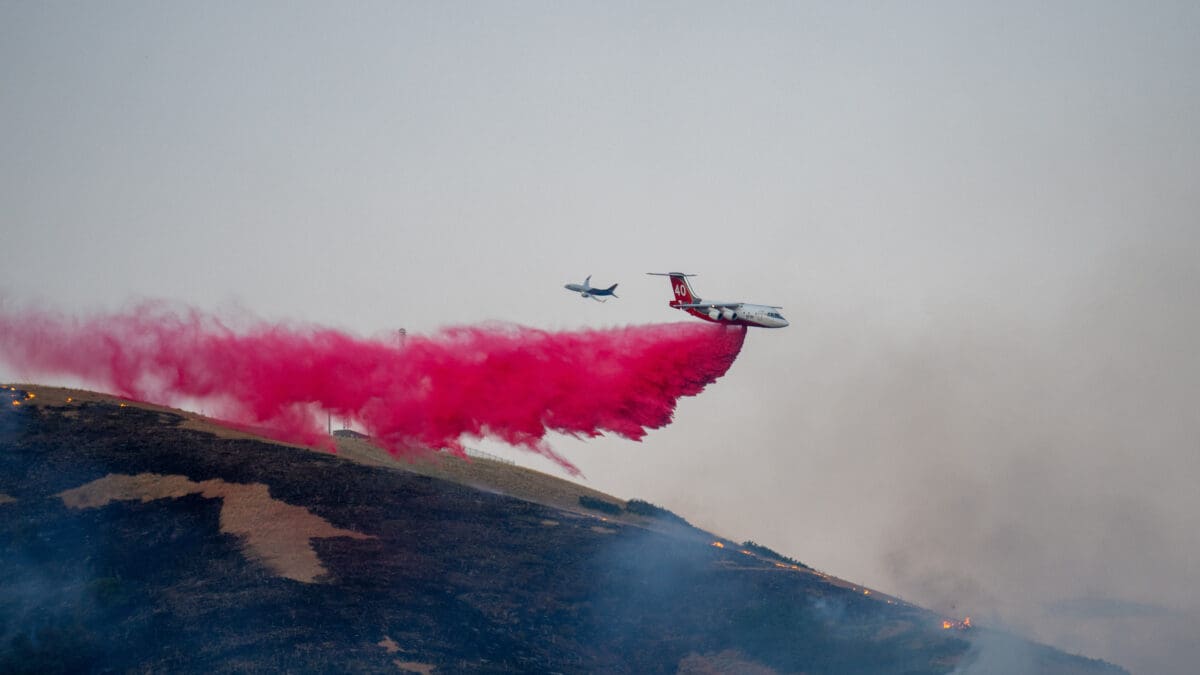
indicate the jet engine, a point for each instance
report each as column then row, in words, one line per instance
column 714, row 313
column 728, row 314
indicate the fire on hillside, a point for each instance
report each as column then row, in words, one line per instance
column 18, row 395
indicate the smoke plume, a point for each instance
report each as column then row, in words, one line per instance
column 508, row 382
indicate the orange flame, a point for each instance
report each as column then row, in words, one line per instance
column 718, row 544
column 16, row 402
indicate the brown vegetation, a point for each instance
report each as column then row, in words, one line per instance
column 275, row 533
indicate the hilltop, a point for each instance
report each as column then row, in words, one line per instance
column 136, row 537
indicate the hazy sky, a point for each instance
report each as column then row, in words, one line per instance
column 981, row 220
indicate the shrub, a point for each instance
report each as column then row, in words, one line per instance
column 644, row 508
column 768, row 553
column 599, row 505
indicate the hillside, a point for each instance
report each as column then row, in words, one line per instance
column 138, row 538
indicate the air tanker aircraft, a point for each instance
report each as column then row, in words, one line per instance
column 732, row 313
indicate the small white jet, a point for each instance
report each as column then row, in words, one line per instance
column 585, row 289
column 732, row 313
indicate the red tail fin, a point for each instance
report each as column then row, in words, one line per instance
column 682, row 289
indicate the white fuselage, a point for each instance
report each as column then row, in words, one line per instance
column 739, row 314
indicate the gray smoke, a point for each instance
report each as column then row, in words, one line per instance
column 1052, row 462
column 995, row 653
column 1026, row 454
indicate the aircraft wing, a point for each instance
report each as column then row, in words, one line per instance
column 710, row 305
column 722, row 305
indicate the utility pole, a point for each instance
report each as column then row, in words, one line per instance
column 402, row 336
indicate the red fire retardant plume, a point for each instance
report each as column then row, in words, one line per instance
column 501, row 381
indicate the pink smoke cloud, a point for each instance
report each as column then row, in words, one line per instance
column 507, row 382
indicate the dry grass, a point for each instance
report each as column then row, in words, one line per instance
column 389, row 645
column 60, row 397
column 486, row 474
column 275, row 533
column 481, row 473
column 57, row 396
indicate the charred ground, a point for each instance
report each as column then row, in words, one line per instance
column 448, row 577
